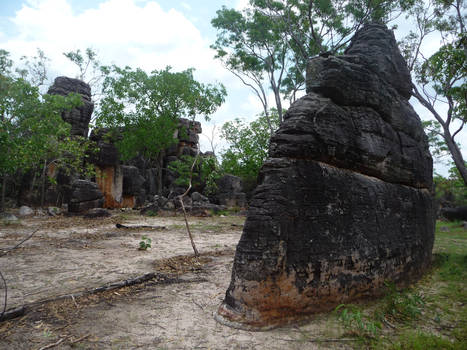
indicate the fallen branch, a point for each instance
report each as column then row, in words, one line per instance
column 16, row 246
column 140, row 226
column 14, row 313
column 336, row 340
column 80, row 339
column 161, row 279
column 5, row 302
column 54, row 344
column 389, row 324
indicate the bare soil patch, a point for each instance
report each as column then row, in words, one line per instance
column 172, row 310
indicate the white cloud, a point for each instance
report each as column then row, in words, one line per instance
column 241, row 4
column 124, row 32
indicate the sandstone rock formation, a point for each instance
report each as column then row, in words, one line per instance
column 109, row 173
column 230, row 192
column 343, row 202
column 80, row 116
column 85, row 195
column 454, row 214
column 126, row 186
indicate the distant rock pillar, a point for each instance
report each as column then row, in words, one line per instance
column 79, row 117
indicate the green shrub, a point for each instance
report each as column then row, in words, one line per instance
column 356, row 323
column 145, row 243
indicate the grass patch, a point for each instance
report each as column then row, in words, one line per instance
column 417, row 340
column 430, row 315
column 403, row 306
column 356, row 323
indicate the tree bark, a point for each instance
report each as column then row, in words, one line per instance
column 2, row 204
column 44, row 171
column 456, row 155
column 160, row 160
column 448, row 138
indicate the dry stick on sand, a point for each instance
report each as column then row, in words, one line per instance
column 80, row 339
column 3, row 278
column 54, row 344
column 183, row 206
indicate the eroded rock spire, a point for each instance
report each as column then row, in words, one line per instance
column 343, row 202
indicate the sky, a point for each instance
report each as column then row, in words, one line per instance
column 149, row 34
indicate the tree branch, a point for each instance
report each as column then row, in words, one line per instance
column 183, row 206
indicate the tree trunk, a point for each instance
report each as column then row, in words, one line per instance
column 453, row 149
column 2, row 204
column 278, row 105
column 44, row 171
column 456, row 155
column 160, row 164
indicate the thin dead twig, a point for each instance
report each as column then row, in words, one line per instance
column 5, row 303
column 330, row 340
column 20, row 243
column 54, row 344
column 154, row 324
column 74, row 301
column 80, row 339
column 198, row 305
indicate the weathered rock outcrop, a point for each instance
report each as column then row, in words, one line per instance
column 78, row 117
column 343, row 202
column 109, row 173
column 230, row 192
column 129, row 185
column 85, row 195
column 132, row 187
column 454, row 214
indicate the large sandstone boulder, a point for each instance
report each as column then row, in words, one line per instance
column 229, row 192
column 343, row 202
column 454, row 214
column 78, row 117
column 107, row 153
column 132, row 180
column 85, row 195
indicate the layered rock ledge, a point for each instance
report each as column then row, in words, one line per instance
column 344, row 199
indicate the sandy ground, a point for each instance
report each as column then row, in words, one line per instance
column 72, row 255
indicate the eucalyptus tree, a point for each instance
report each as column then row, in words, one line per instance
column 441, row 76
column 250, row 46
column 145, row 108
column 268, row 44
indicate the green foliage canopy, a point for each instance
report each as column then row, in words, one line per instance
column 248, row 147
column 442, row 76
column 203, row 171
column 451, row 189
column 31, row 126
column 32, row 132
column 268, row 44
column 145, row 108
